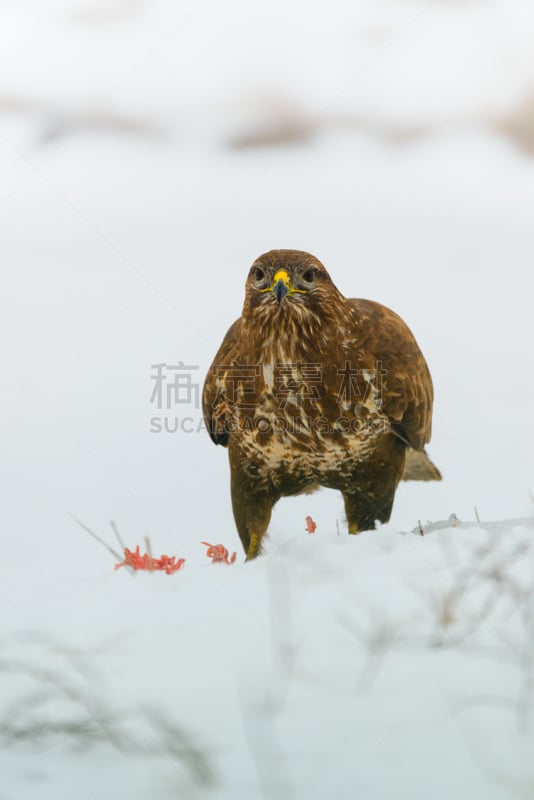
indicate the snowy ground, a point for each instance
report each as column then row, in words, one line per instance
column 147, row 155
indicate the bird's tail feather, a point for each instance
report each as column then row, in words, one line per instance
column 419, row 467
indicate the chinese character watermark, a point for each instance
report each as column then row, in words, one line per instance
column 237, row 383
column 298, row 381
column 351, row 390
column 291, row 393
column 174, row 385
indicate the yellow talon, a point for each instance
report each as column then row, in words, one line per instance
column 254, row 546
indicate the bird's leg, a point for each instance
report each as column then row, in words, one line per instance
column 362, row 511
column 252, row 513
column 370, row 495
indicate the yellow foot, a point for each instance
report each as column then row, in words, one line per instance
column 353, row 527
column 254, row 547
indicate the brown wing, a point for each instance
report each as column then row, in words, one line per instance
column 214, row 403
column 407, row 391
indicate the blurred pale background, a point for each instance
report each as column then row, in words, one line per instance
column 149, row 151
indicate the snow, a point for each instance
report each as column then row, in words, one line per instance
column 391, row 664
column 327, row 667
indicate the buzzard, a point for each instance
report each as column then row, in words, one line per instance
column 310, row 388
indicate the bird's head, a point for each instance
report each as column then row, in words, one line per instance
column 289, row 282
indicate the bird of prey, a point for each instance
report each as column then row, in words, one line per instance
column 310, row 388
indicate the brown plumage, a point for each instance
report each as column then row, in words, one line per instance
column 311, row 389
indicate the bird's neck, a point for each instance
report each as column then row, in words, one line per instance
column 286, row 335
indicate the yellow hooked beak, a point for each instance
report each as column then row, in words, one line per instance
column 281, row 286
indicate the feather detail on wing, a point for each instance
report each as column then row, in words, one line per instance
column 214, row 401
column 406, row 387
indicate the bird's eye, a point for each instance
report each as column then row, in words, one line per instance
column 307, row 279
column 260, row 279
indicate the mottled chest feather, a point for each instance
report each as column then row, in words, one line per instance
column 300, row 425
